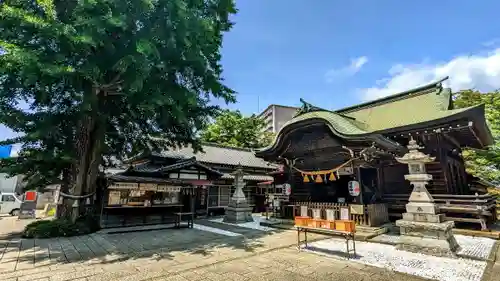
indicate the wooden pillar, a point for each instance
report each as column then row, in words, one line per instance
column 358, row 178
column 441, row 149
column 192, row 198
column 380, row 180
column 453, row 182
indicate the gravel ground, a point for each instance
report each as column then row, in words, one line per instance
column 473, row 247
column 386, row 256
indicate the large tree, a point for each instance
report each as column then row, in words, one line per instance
column 483, row 163
column 126, row 76
column 233, row 129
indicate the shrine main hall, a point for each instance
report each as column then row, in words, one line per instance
column 323, row 152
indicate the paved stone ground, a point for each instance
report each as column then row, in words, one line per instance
column 11, row 226
column 222, row 264
column 185, row 254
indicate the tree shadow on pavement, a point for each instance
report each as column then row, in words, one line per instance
column 167, row 244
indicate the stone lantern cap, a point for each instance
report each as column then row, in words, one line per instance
column 414, row 156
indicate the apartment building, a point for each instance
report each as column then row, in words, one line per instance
column 276, row 116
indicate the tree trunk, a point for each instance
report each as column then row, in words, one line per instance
column 90, row 137
column 63, row 210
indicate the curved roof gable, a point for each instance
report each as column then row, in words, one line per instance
column 427, row 103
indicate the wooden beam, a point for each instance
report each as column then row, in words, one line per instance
column 471, row 128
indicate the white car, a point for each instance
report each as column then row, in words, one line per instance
column 10, row 204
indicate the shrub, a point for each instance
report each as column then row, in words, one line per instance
column 60, row 228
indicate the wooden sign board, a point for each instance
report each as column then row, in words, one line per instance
column 114, row 198
column 303, row 211
column 123, row 185
column 344, row 213
column 357, row 209
column 330, row 214
column 167, row 188
column 316, row 213
column 148, row 186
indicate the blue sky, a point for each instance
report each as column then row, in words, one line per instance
column 337, row 53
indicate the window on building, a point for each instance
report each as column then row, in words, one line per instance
column 213, row 196
column 8, row 198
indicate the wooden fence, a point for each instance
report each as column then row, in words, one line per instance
column 459, row 208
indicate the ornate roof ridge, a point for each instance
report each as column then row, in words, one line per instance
column 227, row 146
column 436, row 85
column 308, row 107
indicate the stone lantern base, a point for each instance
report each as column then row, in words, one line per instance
column 427, row 234
column 238, row 212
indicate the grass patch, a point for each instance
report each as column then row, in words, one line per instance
column 60, row 228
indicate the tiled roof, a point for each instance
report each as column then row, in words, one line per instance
column 222, row 155
column 250, row 177
column 148, row 168
column 124, row 178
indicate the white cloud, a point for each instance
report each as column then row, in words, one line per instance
column 353, row 68
column 491, row 43
column 480, row 71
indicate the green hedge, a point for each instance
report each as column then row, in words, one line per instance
column 60, row 228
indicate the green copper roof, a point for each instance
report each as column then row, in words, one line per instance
column 411, row 109
column 426, row 103
column 343, row 125
column 371, row 120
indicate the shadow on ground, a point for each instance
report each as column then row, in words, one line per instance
column 112, row 248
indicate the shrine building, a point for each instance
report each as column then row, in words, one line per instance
column 346, row 157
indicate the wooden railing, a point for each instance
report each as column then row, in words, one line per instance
column 373, row 214
column 460, row 208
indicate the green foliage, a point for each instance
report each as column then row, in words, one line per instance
column 483, row 163
column 60, row 228
column 107, row 77
column 231, row 128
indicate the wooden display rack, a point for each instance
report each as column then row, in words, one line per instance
column 344, row 228
column 340, row 225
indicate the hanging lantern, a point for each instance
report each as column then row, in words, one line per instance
column 319, row 179
column 306, row 178
column 332, row 177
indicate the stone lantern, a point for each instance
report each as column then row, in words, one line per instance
column 238, row 210
column 422, row 228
